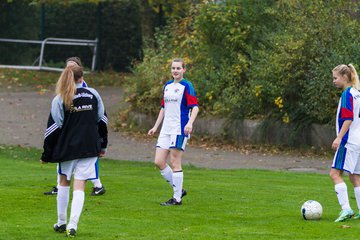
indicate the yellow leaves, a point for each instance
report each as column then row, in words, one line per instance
column 286, row 118
column 42, row 91
column 209, row 95
column 344, row 226
column 279, row 102
column 187, row 60
column 258, row 89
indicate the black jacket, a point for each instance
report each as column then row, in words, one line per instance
column 79, row 132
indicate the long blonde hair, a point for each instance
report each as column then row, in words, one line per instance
column 66, row 86
column 350, row 72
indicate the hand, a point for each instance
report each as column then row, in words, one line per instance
column 152, row 131
column 336, row 143
column 102, row 153
column 188, row 129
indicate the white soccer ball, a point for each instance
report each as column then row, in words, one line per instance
column 311, row 210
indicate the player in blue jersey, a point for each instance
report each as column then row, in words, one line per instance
column 98, row 188
column 76, row 136
column 347, row 142
column 179, row 109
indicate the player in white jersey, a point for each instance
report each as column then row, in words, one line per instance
column 347, row 142
column 179, row 109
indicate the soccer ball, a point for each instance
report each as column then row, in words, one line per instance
column 311, row 210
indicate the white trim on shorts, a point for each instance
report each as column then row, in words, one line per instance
column 82, row 168
column 167, row 141
column 346, row 159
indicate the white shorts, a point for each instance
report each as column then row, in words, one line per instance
column 167, row 141
column 347, row 160
column 82, row 168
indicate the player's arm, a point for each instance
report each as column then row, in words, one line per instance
column 189, row 126
column 53, row 129
column 158, row 122
column 102, row 123
column 192, row 102
column 347, row 115
column 345, row 127
column 103, row 132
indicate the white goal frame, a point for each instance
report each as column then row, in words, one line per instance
column 53, row 41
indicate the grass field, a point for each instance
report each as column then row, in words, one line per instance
column 221, row 204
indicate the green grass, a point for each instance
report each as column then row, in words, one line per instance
column 221, row 204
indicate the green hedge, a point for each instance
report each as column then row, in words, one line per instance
column 18, row 20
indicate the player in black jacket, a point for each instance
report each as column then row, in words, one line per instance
column 75, row 137
column 99, row 188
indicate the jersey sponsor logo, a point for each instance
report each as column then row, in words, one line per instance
column 83, row 95
column 81, row 108
column 169, row 100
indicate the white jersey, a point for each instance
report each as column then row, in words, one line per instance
column 349, row 109
column 178, row 99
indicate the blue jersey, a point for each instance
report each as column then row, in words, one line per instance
column 349, row 109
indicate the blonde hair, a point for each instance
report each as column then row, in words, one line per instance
column 350, row 72
column 66, row 86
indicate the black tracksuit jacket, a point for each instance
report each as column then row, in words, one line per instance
column 78, row 132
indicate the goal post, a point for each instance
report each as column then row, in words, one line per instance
column 52, row 41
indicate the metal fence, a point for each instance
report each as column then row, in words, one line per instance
column 53, row 41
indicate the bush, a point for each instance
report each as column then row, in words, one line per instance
column 308, row 42
column 255, row 59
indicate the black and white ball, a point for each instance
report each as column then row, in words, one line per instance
column 311, row 210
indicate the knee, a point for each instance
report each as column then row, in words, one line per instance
column 160, row 164
column 176, row 164
column 335, row 176
column 355, row 179
column 63, row 181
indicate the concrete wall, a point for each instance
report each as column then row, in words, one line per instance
column 256, row 132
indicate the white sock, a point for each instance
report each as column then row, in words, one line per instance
column 357, row 196
column 178, row 178
column 62, row 201
column 342, row 195
column 97, row 183
column 167, row 173
column 76, row 208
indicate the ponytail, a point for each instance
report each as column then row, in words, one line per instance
column 66, row 86
column 354, row 77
